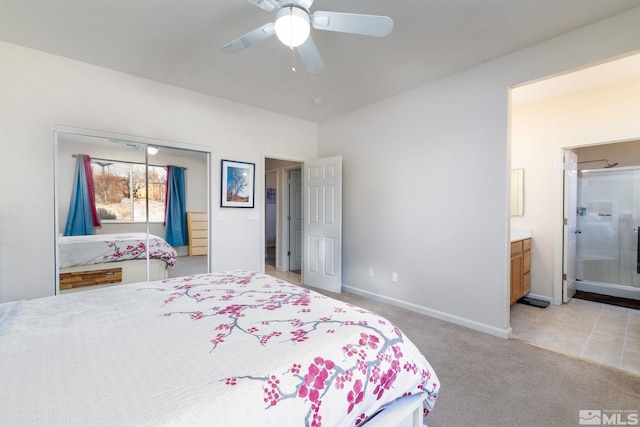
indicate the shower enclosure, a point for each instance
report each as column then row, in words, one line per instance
column 608, row 219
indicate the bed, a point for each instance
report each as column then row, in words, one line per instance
column 112, row 258
column 228, row 349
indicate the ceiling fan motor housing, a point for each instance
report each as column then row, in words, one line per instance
column 292, row 25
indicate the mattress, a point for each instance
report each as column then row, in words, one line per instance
column 233, row 348
column 102, row 248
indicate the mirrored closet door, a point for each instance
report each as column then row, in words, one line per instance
column 128, row 210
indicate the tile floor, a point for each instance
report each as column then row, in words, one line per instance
column 598, row 332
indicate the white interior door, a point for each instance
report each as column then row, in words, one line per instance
column 322, row 227
column 570, row 225
column 295, row 220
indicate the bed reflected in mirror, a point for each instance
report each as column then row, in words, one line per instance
column 122, row 209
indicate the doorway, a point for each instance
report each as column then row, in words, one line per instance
column 607, row 220
column 553, row 115
column 283, row 215
column 608, row 215
column 314, row 197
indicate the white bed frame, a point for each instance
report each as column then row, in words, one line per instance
column 405, row 412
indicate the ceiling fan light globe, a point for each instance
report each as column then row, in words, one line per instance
column 292, row 26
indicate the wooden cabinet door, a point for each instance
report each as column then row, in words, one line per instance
column 516, row 277
column 526, row 271
column 526, row 284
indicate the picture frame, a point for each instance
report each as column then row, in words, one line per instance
column 237, row 184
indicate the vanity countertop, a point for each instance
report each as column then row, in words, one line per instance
column 520, row 234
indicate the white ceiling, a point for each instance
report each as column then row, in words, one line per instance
column 179, row 42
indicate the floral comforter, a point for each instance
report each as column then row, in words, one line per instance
column 99, row 248
column 224, row 349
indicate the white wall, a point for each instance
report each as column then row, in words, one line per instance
column 540, row 130
column 39, row 91
column 425, row 181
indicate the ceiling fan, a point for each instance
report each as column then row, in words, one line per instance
column 293, row 24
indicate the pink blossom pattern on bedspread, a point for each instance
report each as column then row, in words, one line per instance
column 236, row 348
column 349, row 380
column 101, row 248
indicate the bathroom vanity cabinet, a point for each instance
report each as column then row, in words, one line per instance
column 520, row 269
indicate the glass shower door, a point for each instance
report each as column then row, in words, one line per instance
column 608, row 219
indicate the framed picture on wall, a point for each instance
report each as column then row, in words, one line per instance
column 238, row 184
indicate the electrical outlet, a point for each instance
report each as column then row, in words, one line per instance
column 370, row 271
column 394, row 277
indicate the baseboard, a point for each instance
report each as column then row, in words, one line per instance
column 461, row 321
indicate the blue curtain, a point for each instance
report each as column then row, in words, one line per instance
column 175, row 211
column 82, row 215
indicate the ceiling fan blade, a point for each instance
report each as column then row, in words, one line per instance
column 268, row 5
column 252, row 37
column 354, row 23
column 310, row 57
column 304, row 3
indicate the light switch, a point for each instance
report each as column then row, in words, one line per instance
column 220, row 216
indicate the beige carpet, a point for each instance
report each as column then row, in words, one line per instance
column 187, row 265
column 488, row 381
